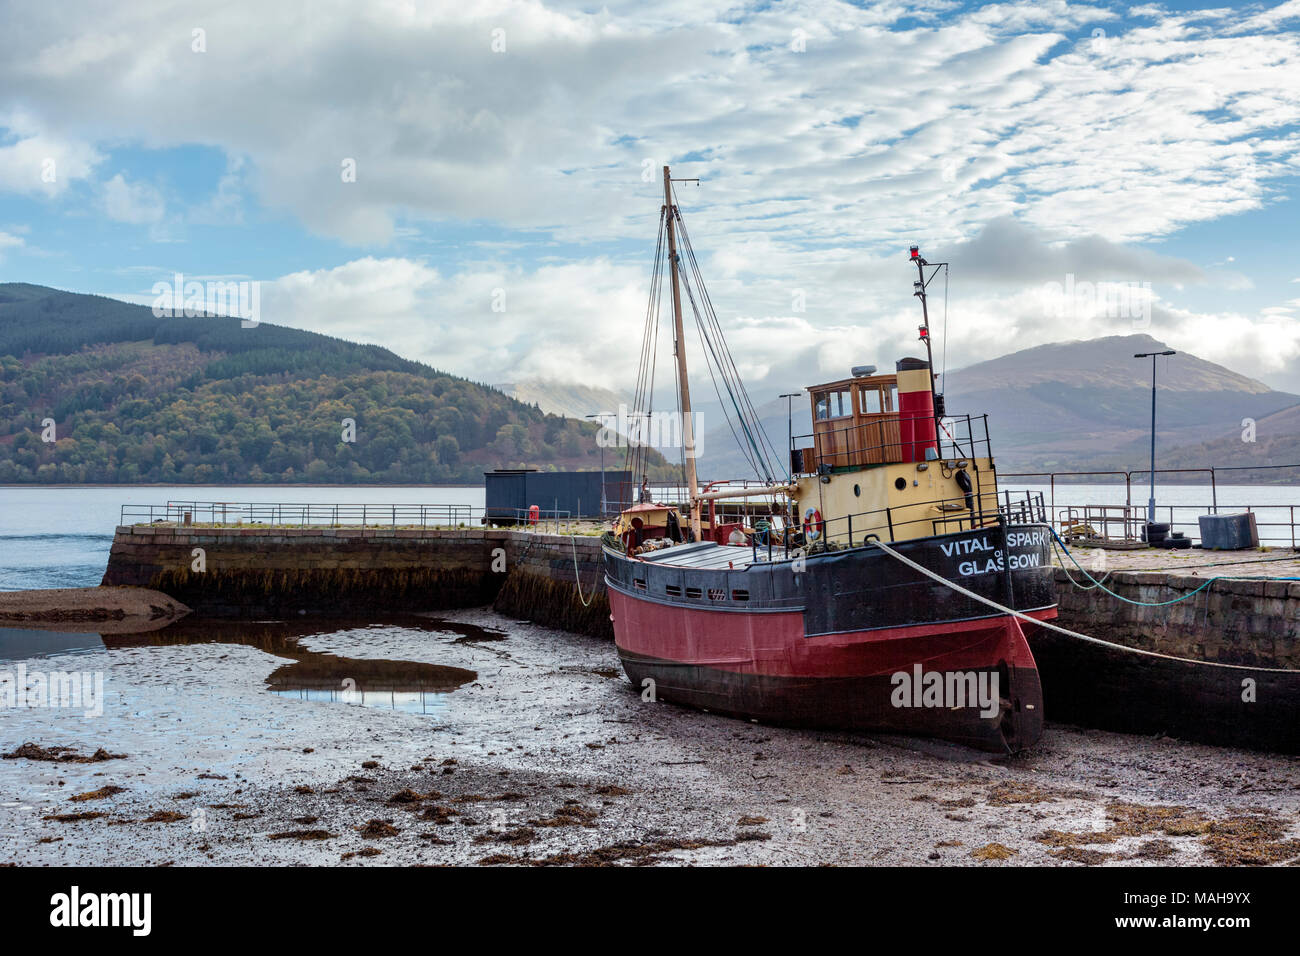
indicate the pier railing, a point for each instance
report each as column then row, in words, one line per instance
column 1278, row 524
column 284, row 514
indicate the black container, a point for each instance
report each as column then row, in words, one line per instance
column 511, row 492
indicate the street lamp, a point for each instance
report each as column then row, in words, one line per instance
column 789, row 457
column 604, row 508
column 1151, row 502
column 789, row 420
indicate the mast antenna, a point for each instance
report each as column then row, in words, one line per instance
column 919, row 290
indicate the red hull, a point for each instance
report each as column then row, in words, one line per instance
column 761, row 666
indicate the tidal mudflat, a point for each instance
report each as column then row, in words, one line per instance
column 475, row 739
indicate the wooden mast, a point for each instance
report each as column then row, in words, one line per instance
column 679, row 349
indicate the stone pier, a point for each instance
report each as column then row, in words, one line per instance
column 355, row 572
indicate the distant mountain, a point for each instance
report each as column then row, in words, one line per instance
column 720, row 454
column 570, row 401
column 1075, row 406
column 1078, row 406
column 1271, row 440
column 137, row 398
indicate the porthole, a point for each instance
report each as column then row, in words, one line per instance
column 857, row 491
column 900, row 483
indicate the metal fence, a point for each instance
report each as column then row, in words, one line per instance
column 278, row 514
column 1278, row 524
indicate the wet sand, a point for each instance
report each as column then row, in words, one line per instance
column 105, row 610
column 548, row 756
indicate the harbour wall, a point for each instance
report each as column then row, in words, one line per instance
column 354, row 572
column 342, row 572
column 1253, row 623
column 1253, row 627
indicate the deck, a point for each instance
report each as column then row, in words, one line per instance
column 709, row 555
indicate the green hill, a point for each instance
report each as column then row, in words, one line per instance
column 137, row 398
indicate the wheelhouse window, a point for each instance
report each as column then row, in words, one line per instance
column 869, row 400
column 834, row 404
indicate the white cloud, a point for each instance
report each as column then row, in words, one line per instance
column 1008, row 251
column 9, row 242
column 36, row 162
column 569, row 322
column 1002, row 137
column 1001, row 116
column 135, row 203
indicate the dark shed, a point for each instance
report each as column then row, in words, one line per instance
column 511, row 492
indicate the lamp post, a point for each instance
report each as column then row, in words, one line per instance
column 601, row 417
column 789, row 427
column 789, row 456
column 1151, row 502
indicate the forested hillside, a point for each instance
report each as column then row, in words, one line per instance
column 136, row 398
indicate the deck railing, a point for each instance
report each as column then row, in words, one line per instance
column 914, row 520
column 918, row 519
column 866, row 443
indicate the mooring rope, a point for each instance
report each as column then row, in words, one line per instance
column 1061, row 630
column 1190, row 594
column 577, row 580
column 1081, row 587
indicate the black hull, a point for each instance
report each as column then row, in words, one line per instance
column 858, row 704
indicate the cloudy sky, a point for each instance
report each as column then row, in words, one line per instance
column 508, row 152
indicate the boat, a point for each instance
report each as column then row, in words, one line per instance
column 876, row 581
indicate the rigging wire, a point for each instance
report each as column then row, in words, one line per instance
column 706, row 348
column 745, row 426
column 723, row 363
column 643, row 396
column 716, row 364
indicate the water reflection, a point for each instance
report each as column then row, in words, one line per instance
column 394, row 685
column 18, row 643
column 428, row 703
column 408, row 686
